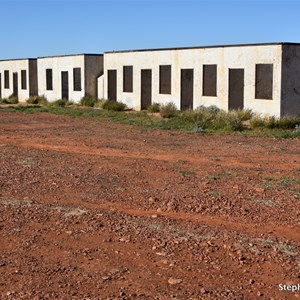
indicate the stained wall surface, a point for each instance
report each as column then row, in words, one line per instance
column 93, row 69
column 33, row 80
column 240, row 57
column 290, row 93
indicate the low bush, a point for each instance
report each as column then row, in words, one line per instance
column 59, row 103
column 274, row 123
column 37, row 100
column 153, row 108
column 12, row 99
column 113, row 105
column 3, row 101
column 288, row 122
column 201, row 118
column 212, row 117
column 228, row 121
column 212, row 109
column 270, row 122
column 257, row 122
column 244, row 114
column 168, row 110
column 99, row 103
column 89, row 101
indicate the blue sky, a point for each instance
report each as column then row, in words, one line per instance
column 55, row 27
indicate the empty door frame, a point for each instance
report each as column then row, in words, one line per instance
column 112, row 85
column 65, row 85
column 236, row 89
column 186, row 89
column 15, row 84
column 146, row 88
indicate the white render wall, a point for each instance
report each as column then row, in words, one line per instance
column 59, row 64
column 15, row 66
column 100, row 87
column 244, row 57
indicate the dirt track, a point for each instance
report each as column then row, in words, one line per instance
column 96, row 210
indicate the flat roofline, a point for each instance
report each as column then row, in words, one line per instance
column 85, row 54
column 13, row 59
column 203, row 47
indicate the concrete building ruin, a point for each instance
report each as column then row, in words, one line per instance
column 18, row 77
column 260, row 77
column 69, row 77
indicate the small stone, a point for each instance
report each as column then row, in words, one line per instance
column 151, row 200
column 106, row 278
column 161, row 253
column 2, row 263
column 164, row 261
column 174, row 281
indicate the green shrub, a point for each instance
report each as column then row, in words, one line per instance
column 88, row 100
column 257, row 122
column 273, row 122
column 59, row 103
column 270, row 122
column 168, row 110
column 213, row 109
column 37, row 100
column 228, row 121
column 99, row 103
column 212, row 117
column 12, row 99
column 202, row 117
column 153, row 108
column 71, row 103
column 113, row 105
column 3, row 101
column 244, row 114
column 288, row 122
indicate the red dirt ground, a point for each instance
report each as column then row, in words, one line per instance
column 92, row 209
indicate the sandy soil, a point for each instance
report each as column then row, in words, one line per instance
column 92, row 209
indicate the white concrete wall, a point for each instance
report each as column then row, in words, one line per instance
column 15, row 66
column 100, row 87
column 245, row 57
column 59, row 64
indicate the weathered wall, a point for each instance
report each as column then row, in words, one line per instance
column 290, row 84
column 244, row 57
column 93, row 69
column 15, row 66
column 59, row 64
column 33, row 80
